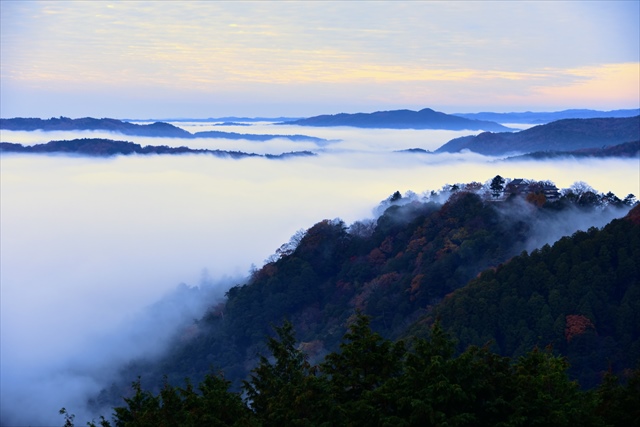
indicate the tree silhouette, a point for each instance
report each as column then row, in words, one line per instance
column 497, row 185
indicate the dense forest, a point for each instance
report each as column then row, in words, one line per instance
column 581, row 295
column 372, row 381
column 515, row 307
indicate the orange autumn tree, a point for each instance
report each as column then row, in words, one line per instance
column 576, row 324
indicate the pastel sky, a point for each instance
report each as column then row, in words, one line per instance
column 163, row 59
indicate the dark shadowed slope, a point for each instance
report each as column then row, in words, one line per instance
column 562, row 135
column 581, row 295
column 401, row 119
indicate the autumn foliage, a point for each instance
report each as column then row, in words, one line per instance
column 576, row 324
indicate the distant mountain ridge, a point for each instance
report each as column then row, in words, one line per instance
column 529, row 117
column 157, row 129
column 625, row 150
column 90, row 123
column 228, row 119
column 561, row 135
column 99, row 147
column 400, row 119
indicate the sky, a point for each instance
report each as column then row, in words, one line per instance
column 128, row 59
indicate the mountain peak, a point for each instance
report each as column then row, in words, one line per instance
column 401, row 119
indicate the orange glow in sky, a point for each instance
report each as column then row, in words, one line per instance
column 198, row 59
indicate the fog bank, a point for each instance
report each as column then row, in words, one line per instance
column 88, row 245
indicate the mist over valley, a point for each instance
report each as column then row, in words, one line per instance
column 91, row 247
column 319, row 213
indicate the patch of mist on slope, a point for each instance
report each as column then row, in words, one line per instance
column 547, row 227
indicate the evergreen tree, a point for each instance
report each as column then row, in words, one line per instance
column 497, row 185
column 287, row 391
column 365, row 362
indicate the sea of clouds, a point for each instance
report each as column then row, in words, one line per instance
column 103, row 259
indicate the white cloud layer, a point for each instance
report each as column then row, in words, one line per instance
column 87, row 244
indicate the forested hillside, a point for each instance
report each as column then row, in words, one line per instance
column 465, row 262
column 581, row 295
column 372, row 381
column 396, row 270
